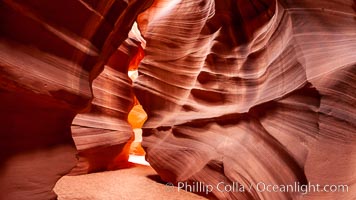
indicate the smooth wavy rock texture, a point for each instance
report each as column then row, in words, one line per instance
column 50, row 52
column 251, row 92
column 103, row 134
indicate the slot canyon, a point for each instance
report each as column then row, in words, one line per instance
column 177, row 99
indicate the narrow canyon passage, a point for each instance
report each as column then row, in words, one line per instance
column 140, row 99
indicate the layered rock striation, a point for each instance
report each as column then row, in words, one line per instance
column 103, row 134
column 236, row 92
column 50, row 52
column 251, row 92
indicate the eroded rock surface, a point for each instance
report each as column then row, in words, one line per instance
column 235, row 91
column 103, row 134
column 250, row 92
column 50, row 52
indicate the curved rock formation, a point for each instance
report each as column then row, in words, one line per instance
column 50, row 52
column 103, row 135
column 236, row 92
column 251, row 92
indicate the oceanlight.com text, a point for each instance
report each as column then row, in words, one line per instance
column 200, row 187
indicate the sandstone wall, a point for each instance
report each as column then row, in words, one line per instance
column 249, row 92
column 50, row 52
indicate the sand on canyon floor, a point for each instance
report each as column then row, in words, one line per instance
column 137, row 183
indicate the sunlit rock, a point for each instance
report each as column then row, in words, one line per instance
column 249, row 92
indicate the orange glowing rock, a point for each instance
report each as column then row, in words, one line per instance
column 137, row 117
column 136, row 148
column 121, row 160
column 136, row 59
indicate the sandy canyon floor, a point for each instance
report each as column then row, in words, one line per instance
column 137, row 183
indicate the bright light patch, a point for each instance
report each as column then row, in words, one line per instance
column 138, row 160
